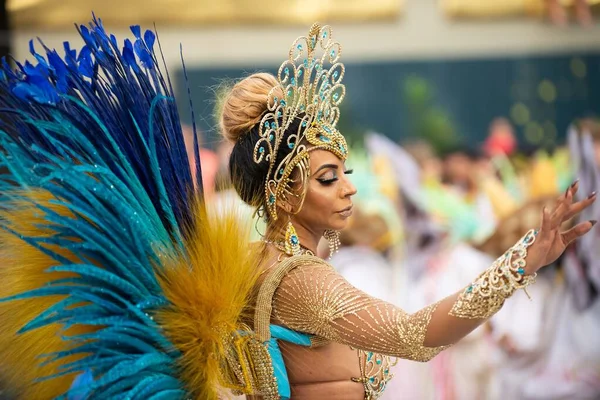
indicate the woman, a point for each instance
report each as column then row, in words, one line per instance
column 139, row 291
column 305, row 189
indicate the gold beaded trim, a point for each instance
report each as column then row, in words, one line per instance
column 486, row 295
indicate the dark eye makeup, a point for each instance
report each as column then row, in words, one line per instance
column 328, row 181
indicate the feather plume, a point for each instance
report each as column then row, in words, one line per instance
column 209, row 294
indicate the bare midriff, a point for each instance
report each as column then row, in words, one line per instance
column 322, row 373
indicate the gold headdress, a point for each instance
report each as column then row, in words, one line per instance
column 310, row 93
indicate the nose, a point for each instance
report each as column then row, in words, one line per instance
column 348, row 189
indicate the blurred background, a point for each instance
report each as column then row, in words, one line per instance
column 465, row 117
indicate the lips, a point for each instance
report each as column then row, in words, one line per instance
column 346, row 212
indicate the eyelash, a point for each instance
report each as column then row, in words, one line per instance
column 327, row 182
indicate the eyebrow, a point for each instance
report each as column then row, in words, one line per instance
column 326, row 166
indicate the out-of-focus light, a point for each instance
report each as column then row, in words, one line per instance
column 519, row 113
column 547, row 91
column 534, row 133
column 18, row 5
column 578, row 67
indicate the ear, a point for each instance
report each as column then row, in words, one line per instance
column 284, row 206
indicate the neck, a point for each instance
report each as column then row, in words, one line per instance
column 309, row 238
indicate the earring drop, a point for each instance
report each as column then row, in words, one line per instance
column 333, row 237
column 292, row 243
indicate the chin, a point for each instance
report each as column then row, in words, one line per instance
column 338, row 225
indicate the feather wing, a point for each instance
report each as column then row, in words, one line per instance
column 102, row 232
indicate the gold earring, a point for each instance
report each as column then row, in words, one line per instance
column 292, row 242
column 333, row 237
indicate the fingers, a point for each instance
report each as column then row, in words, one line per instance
column 563, row 206
column 577, row 231
column 580, row 206
column 545, row 228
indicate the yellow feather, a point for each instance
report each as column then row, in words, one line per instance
column 22, row 269
column 210, row 292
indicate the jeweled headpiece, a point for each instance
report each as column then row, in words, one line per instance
column 309, row 92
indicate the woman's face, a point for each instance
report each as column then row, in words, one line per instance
column 328, row 203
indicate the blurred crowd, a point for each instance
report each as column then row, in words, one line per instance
column 426, row 224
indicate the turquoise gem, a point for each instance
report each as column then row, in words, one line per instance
column 332, row 54
column 372, row 379
column 521, row 271
column 293, row 81
column 271, row 137
column 324, row 34
column 272, row 199
column 336, row 96
column 266, row 124
column 278, row 114
column 327, row 129
column 273, row 125
column 294, row 239
column 369, row 356
column 378, row 362
column 286, row 71
column 325, row 139
column 470, row 289
column 304, row 124
column 300, row 47
column 335, row 75
column 299, row 73
column 291, row 145
column 387, row 371
column 306, row 63
column 290, row 92
column 275, row 99
column 261, row 150
column 283, row 103
column 281, row 171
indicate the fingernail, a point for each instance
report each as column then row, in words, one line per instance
column 574, row 183
column 593, row 222
column 592, row 195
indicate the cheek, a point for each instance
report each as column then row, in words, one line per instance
column 319, row 201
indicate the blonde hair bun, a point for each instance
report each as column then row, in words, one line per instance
column 244, row 105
